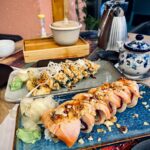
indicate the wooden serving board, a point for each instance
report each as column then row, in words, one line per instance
column 46, row 48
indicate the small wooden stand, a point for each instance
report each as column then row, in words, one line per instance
column 46, row 48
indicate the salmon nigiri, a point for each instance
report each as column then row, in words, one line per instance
column 69, row 131
column 64, row 129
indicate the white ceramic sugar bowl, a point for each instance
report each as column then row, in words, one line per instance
column 134, row 58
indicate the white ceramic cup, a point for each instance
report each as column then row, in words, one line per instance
column 7, row 47
column 66, row 36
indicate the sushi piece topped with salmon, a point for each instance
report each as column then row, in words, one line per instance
column 85, row 110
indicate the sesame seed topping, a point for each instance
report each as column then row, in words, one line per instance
column 144, row 103
column 123, row 129
column 118, row 125
column 81, row 141
column 146, row 123
column 146, row 106
column 90, row 138
column 135, row 115
column 99, row 139
column 100, row 130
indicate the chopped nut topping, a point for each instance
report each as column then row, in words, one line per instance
column 146, row 106
column 81, row 141
column 109, row 128
column 135, row 115
column 108, row 123
column 118, row 125
column 104, row 131
column 144, row 103
column 100, row 130
column 123, row 129
column 99, row 139
column 146, row 123
column 142, row 92
column 113, row 119
column 90, row 138
column 69, row 106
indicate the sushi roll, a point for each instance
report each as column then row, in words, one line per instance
column 87, row 123
column 123, row 93
column 107, row 98
column 92, row 67
column 106, row 94
column 61, row 78
column 134, row 91
column 69, row 74
column 88, row 112
column 100, row 108
column 56, row 76
column 102, row 112
column 64, row 129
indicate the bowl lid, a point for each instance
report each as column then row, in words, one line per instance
column 137, row 45
column 65, row 24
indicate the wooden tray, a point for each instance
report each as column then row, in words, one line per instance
column 46, row 48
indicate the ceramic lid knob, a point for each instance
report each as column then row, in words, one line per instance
column 138, row 45
column 139, row 37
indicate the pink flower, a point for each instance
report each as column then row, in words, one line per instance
column 73, row 14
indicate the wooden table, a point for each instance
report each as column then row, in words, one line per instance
column 6, row 106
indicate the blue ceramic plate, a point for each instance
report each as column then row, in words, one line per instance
column 136, row 128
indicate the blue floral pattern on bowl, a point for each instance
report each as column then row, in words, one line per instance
column 135, row 57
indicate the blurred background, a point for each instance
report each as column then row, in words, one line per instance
column 20, row 16
column 137, row 13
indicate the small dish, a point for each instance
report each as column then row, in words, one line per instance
column 138, row 78
column 7, row 47
column 4, row 75
column 66, row 32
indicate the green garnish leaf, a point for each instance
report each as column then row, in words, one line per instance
column 28, row 136
column 16, row 84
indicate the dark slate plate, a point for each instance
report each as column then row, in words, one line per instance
column 145, row 145
column 135, row 126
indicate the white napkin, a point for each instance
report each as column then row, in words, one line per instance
column 7, row 130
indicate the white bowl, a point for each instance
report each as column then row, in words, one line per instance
column 66, row 36
column 7, row 47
